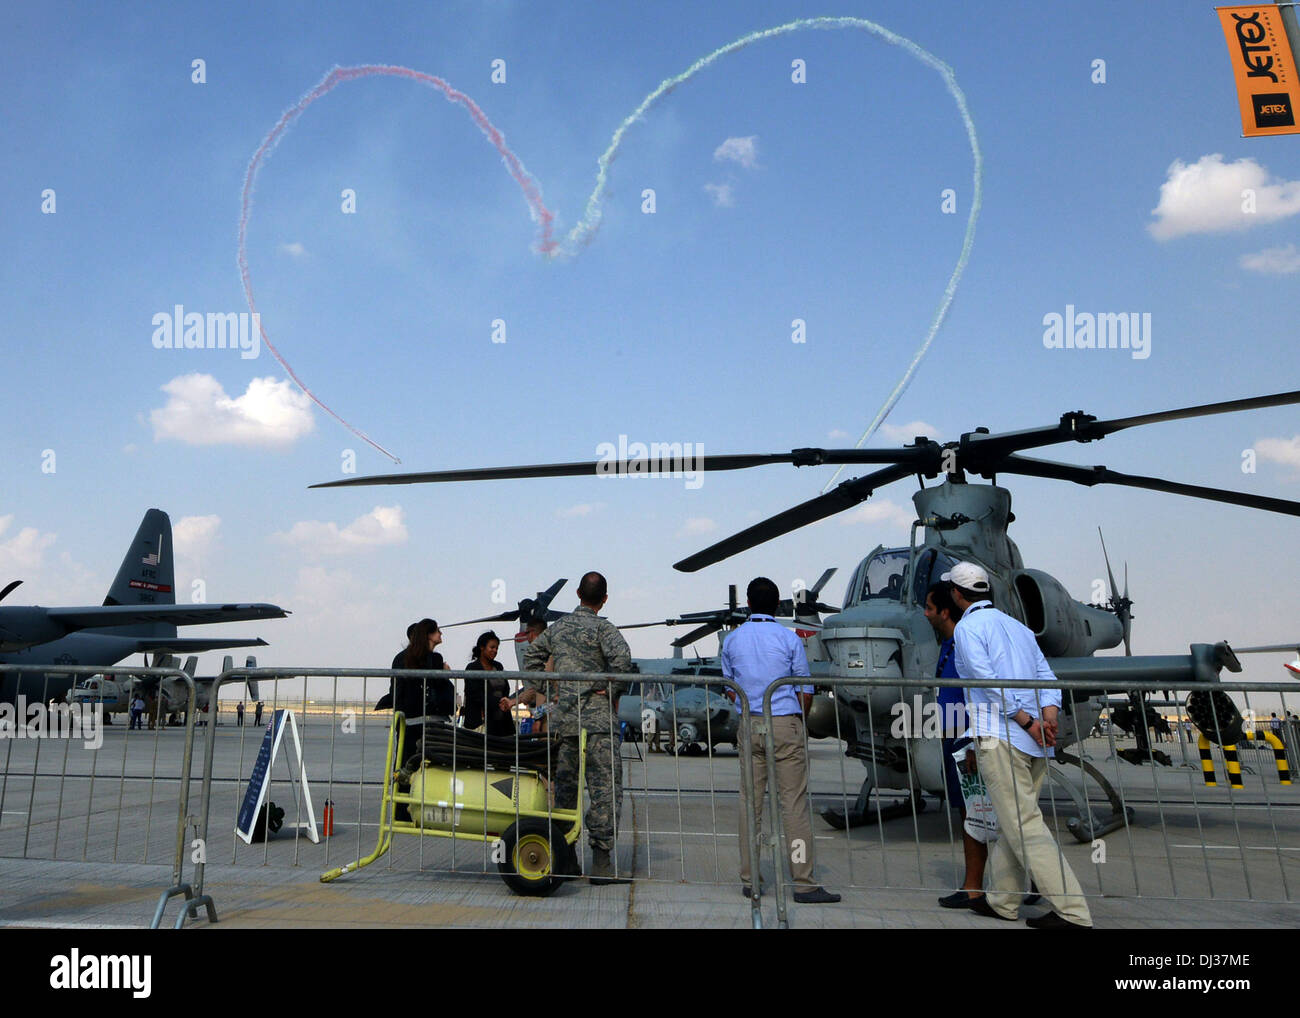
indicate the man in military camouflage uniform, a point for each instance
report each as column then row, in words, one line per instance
column 584, row 642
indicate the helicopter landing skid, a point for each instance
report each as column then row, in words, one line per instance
column 1087, row 826
column 859, row 817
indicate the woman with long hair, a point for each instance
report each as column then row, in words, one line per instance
column 483, row 697
column 421, row 699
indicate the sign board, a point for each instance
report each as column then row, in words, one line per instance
column 260, row 781
column 1263, row 68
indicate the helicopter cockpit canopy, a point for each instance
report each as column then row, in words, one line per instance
column 884, row 576
column 931, row 564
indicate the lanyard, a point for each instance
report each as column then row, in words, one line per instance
column 943, row 660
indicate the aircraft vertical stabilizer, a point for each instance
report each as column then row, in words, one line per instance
column 146, row 575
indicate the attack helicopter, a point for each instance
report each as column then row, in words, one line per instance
column 881, row 632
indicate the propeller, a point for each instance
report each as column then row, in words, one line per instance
column 528, row 610
column 805, row 604
column 706, row 622
column 9, row 588
column 1120, row 604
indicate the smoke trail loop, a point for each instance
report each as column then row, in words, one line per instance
column 585, row 229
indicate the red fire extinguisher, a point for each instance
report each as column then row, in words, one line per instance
column 328, row 820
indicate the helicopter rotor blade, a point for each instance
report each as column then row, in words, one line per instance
column 9, row 587
column 738, row 461
column 1109, row 574
column 1205, row 410
column 1128, row 615
column 844, row 496
column 698, row 634
column 1090, row 476
column 503, row 617
column 981, row 453
column 1120, row 602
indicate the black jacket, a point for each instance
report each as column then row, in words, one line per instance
column 439, row 693
column 482, row 697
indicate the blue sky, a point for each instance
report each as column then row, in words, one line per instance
column 674, row 326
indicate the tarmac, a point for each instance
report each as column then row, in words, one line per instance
column 90, row 843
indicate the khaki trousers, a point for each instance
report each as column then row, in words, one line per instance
column 1014, row 779
column 792, row 790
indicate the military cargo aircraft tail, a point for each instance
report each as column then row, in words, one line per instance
column 147, row 573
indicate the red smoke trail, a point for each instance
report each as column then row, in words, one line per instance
column 532, row 191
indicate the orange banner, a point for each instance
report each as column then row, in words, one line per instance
column 1262, row 64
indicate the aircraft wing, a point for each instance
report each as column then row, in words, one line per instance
column 189, row 645
column 95, row 616
column 1203, row 664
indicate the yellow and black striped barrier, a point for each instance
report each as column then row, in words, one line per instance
column 1232, row 765
column 1207, row 759
column 1279, row 754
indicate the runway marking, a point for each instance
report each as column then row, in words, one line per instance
column 45, row 924
column 1235, row 848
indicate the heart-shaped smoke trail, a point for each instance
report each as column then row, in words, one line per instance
column 583, row 232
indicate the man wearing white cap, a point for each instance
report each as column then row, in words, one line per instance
column 1014, row 731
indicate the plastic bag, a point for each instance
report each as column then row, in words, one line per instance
column 981, row 821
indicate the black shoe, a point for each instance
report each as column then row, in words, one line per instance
column 960, row 899
column 1052, row 921
column 817, row 896
column 981, row 906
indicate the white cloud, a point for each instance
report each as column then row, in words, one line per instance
column 836, row 435
column 381, row 526
column 880, row 511
column 738, row 150
column 194, row 536
column 23, row 553
column 1278, row 261
column 296, row 249
column 1280, row 450
column 907, row 432
column 1207, row 197
column 198, row 412
column 722, row 195
column 697, row 525
column 581, row 509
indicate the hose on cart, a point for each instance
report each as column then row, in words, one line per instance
column 474, row 749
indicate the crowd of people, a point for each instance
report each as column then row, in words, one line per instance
column 1005, row 738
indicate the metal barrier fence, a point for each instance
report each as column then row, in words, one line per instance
column 1167, row 814
column 667, row 830
column 96, row 803
column 1151, row 831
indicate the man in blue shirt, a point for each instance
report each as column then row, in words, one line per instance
column 753, row 656
column 1014, row 731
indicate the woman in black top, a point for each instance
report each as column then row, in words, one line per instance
column 421, row 699
column 483, row 698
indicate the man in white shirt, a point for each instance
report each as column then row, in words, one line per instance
column 1014, row 731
